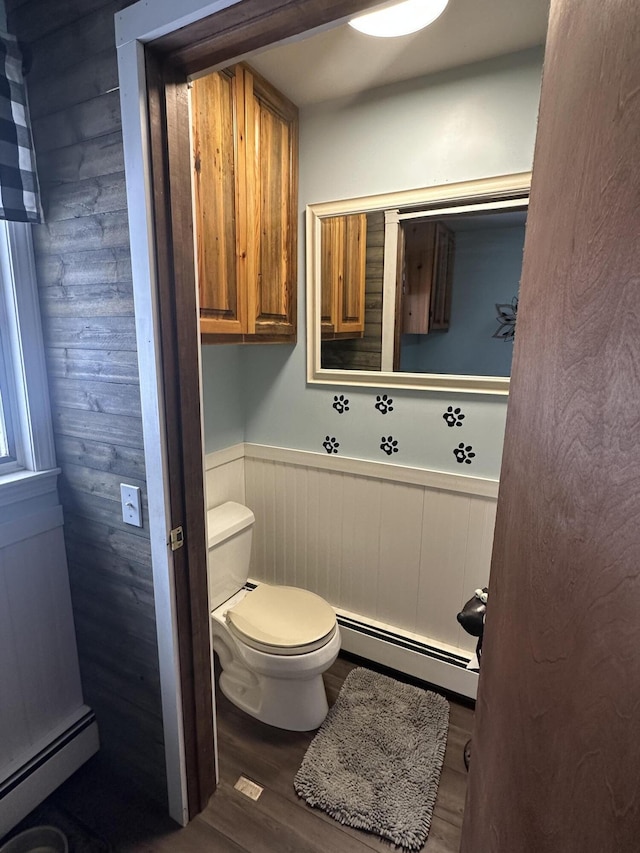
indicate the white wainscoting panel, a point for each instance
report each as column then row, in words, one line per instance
column 38, row 659
column 389, row 543
column 224, row 476
column 397, row 551
column 46, row 731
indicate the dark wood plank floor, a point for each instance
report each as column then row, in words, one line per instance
column 279, row 822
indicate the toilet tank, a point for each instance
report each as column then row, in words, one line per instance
column 229, row 532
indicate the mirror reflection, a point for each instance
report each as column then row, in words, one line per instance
column 418, row 291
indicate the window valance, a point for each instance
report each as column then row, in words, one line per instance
column 19, row 194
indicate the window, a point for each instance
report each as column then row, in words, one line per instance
column 26, row 437
column 7, row 434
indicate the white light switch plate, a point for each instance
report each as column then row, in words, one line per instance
column 130, row 498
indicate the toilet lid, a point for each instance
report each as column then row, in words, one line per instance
column 282, row 617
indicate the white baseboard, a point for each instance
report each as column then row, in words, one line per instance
column 42, row 772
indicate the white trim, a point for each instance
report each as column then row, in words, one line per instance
column 494, row 186
column 23, row 485
column 32, row 421
column 222, row 457
column 133, row 103
column 488, row 206
column 483, row 188
column 145, row 21
column 441, row 480
column 389, row 286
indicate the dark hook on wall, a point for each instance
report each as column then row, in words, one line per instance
column 471, row 617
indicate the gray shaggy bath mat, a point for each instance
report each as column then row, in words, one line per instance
column 375, row 762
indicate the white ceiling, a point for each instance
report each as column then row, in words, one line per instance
column 342, row 62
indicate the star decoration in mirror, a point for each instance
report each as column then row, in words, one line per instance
column 507, row 319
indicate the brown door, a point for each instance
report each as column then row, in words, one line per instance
column 554, row 766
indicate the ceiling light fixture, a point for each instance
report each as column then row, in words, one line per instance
column 401, row 19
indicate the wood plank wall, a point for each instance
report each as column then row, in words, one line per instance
column 84, row 276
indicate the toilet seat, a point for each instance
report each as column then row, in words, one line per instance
column 282, row 620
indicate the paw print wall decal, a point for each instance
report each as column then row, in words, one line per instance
column 389, row 445
column 453, row 417
column 340, row 404
column 330, row 444
column 464, row 453
column 384, row 404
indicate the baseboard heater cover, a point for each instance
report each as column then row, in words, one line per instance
column 43, row 772
column 406, row 643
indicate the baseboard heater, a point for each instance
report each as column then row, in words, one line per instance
column 46, row 766
column 435, row 664
column 422, row 658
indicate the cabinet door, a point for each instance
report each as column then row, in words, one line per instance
column 350, row 307
column 217, row 126
column 271, row 191
column 332, row 265
column 417, row 275
column 426, row 276
column 343, row 268
column 440, row 309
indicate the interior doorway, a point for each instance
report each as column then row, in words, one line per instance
column 157, row 51
column 156, row 58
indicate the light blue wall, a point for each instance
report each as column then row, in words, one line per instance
column 224, row 399
column 468, row 123
column 487, row 268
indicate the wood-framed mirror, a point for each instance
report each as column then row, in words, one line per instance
column 405, row 289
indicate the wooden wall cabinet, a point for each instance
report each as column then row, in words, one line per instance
column 344, row 247
column 426, row 272
column 245, row 159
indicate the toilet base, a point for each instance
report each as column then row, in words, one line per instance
column 284, row 691
column 297, row 706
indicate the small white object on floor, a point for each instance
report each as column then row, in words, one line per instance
column 248, row 788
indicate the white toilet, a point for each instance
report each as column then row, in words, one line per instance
column 274, row 642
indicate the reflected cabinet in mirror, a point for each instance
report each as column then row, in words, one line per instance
column 417, row 288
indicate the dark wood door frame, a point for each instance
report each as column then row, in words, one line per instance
column 179, row 331
column 230, row 33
